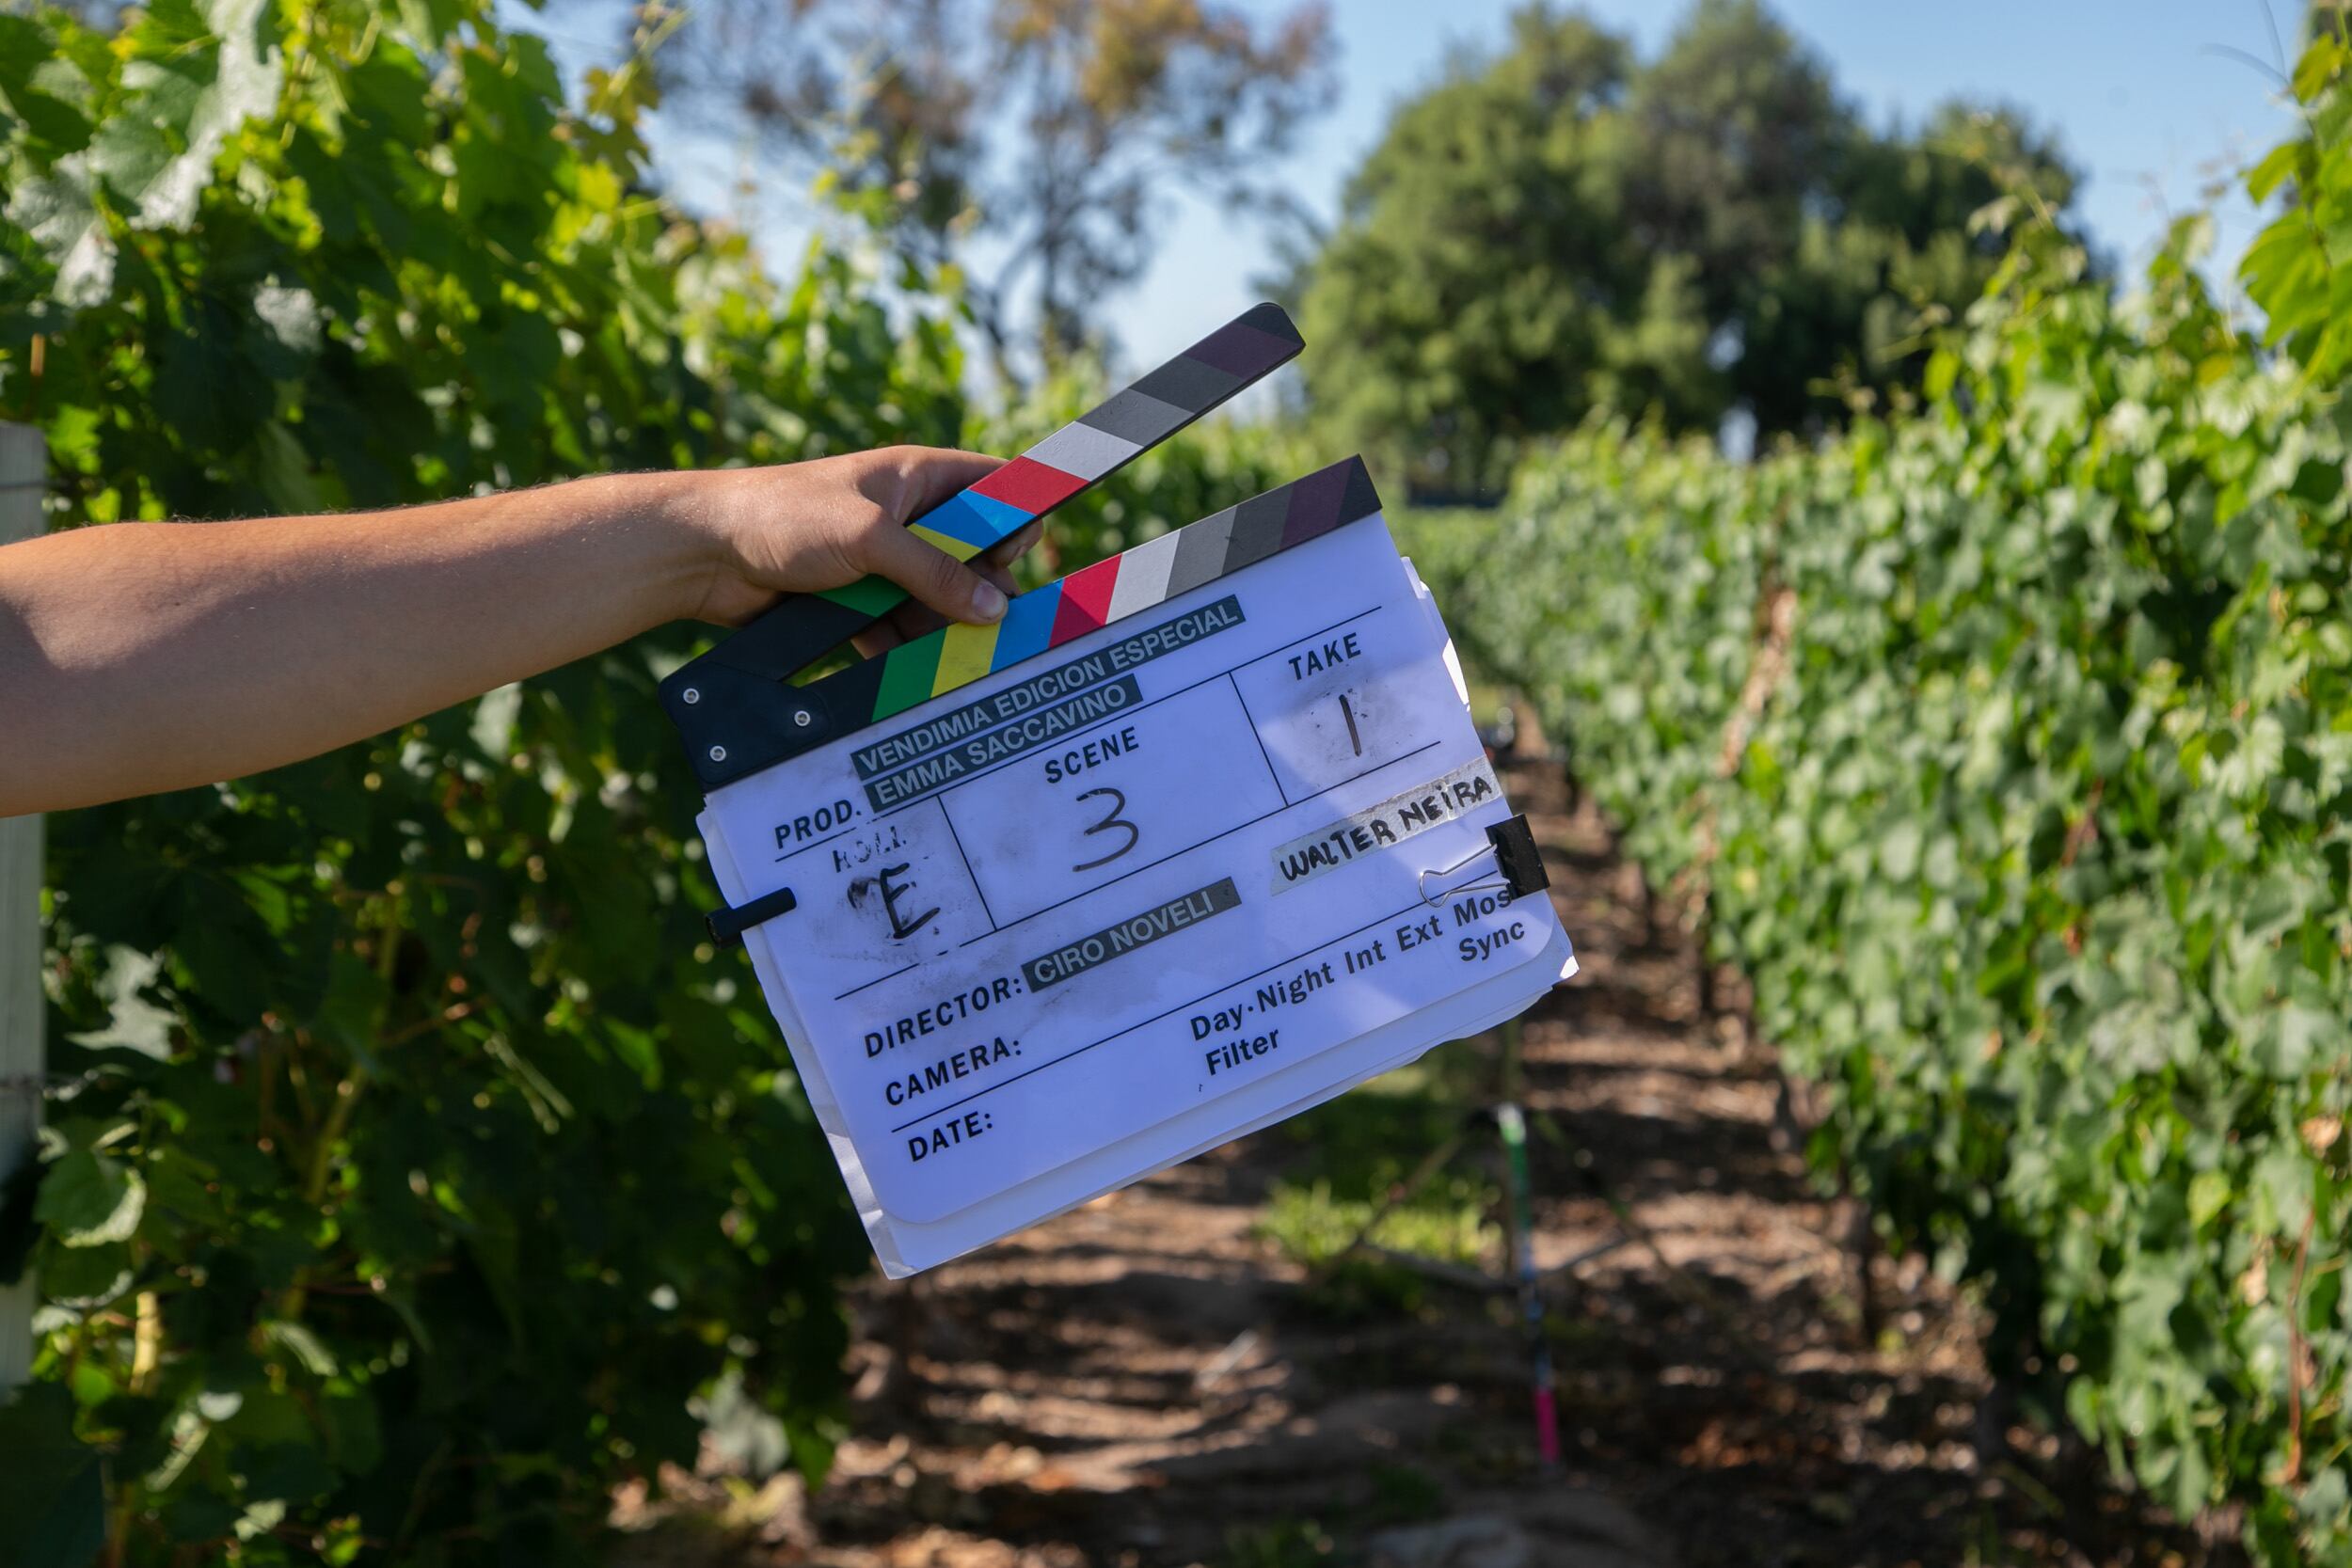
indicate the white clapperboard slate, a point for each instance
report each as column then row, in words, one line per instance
column 1195, row 839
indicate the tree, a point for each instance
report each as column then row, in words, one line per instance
column 1027, row 141
column 1711, row 233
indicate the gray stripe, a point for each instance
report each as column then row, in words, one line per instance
column 1133, row 416
column 1201, row 552
column 1258, row 527
column 1083, row 450
column 1190, row 384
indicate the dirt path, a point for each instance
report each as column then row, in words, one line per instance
column 1154, row 1380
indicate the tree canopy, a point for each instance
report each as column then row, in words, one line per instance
column 1030, row 143
column 1565, row 226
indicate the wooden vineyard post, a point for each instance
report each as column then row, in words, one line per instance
column 23, row 464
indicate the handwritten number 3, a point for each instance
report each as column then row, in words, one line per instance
column 1111, row 819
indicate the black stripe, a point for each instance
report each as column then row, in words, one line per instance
column 1190, row 385
column 1258, row 528
column 1271, row 319
column 1137, row 417
column 1359, row 500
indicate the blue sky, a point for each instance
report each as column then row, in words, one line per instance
column 2145, row 107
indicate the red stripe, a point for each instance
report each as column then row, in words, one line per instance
column 1032, row 485
column 1085, row 600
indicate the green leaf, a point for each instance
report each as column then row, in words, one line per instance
column 155, row 151
column 84, row 1278
column 303, row 1345
column 89, row 1199
column 60, row 213
column 56, row 126
column 2209, row 1193
column 24, row 47
column 2320, row 63
column 2283, row 161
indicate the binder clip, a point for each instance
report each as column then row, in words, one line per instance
column 1518, row 864
column 734, row 705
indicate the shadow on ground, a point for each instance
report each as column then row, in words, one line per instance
column 1161, row 1378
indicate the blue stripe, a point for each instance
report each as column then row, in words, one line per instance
column 1027, row 624
column 975, row 519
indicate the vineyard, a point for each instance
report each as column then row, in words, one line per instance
column 411, row 1166
column 415, row 1174
column 2004, row 744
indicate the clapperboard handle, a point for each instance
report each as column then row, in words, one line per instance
column 732, row 705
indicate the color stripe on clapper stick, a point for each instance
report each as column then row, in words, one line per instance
column 1109, row 591
column 1094, row 445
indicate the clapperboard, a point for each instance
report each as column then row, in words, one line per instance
column 1192, row 840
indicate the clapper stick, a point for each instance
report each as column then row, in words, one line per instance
column 731, row 704
column 874, row 690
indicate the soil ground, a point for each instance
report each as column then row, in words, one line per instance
column 1159, row 1378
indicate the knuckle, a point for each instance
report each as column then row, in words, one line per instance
column 886, row 473
column 946, row 574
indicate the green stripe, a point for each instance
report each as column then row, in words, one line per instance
column 868, row 596
column 908, row 671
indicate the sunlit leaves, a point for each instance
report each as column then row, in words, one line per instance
column 2299, row 268
column 89, row 1199
column 2029, row 821
column 390, row 1086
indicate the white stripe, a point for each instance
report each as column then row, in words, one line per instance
column 1082, row 450
column 1447, row 797
column 1143, row 576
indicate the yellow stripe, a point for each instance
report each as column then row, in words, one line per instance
column 961, row 550
column 963, row 655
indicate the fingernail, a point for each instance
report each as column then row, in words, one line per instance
column 988, row 601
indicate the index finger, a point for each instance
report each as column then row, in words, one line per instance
column 928, row 475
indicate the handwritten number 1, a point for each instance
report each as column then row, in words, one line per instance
column 1349, row 712
column 1111, row 819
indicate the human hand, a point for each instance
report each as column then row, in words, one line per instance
column 155, row 655
column 801, row 527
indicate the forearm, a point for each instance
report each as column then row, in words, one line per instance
column 142, row 657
